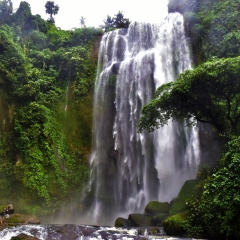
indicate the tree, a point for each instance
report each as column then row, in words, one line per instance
column 210, row 93
column 82, row 21
column 23, row 13
column 120, row 21
column 108, row 24
column 116, row 22
column 51, row 9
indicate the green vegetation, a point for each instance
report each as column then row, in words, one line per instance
column 46, row 85
column 213, row 26
column 215, row 212
column 155, row 207
column 209, row 94
column 52, row 9
column 180, row 202
column 173, row 225
column 116, row 22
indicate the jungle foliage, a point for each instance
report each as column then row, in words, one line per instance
column 213, row 212
column 210, row 94
column 46, row 83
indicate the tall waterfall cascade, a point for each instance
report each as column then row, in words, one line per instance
column 129, row 169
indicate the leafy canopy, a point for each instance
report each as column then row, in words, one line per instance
column 210, row 93
column 116, row 22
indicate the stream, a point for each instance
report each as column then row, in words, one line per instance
column 84, row 232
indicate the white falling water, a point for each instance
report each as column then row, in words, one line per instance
column 129, row 169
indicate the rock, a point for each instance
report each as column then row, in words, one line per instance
column 179, row 204
column 140, row 220
column 155, row 207
column 122, row 222
column 158, row 219
column 23, row 219
column 24, row 236
column 174, row 225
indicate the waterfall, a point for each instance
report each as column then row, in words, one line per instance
column 129, row 169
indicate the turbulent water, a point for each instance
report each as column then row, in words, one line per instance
column 129, row 169
column 81, row 232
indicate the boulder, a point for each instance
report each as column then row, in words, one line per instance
column 140, row 220
column 155, row 207
column 158, row 219
column 179, row 203
column 24, row 236
column 174, row 225
column 23, row 219
column 122, row 222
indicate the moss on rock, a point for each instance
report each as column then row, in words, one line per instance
column 140, row 220
column 122, row 222
column 155, row 207
column 179, row 204
column 174, row 224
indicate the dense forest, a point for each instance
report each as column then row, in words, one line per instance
column 46, row 90
column 208, row 94
column 46, row 87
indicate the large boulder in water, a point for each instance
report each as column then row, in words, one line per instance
column 155, row 207
column 140, row 220
column 174, row 225
column 122, row 222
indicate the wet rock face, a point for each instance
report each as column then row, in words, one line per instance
column 121, row 48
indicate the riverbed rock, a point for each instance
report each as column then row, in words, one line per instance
column 174, row 225
column 155, row 207
column 122, row 222
column 24, row 236
column 140, row 220
column 23, row 219
column 158, row 219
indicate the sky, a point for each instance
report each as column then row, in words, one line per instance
column 94, row 11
